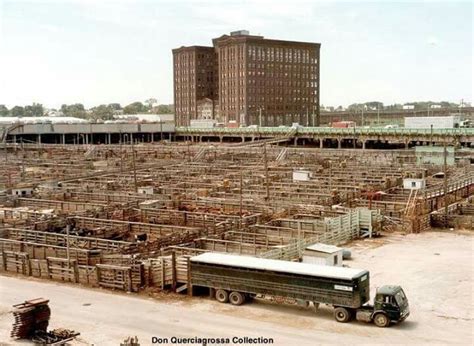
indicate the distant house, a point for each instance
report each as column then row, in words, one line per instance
column 408, row 107
column 435, row 106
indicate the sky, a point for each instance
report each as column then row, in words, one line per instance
column 99, row 51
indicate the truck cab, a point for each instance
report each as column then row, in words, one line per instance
column 390, row 305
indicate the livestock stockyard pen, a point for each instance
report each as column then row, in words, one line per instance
column 236, row 279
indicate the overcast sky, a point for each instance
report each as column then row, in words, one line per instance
column 94, row 52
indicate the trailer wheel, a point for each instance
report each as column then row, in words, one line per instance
column 222, row 296
column 342, row 315
column 381, row 320
column 236, row 298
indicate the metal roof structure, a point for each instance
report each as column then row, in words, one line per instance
column 320, row 247
column 42, row 120
column 279, row 266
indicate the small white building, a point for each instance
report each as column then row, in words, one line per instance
column 435, row 106
column 414, row 183
column 145, row 190
column 408, row 107
column 301, row 175
column 22, row 192
column 323, row 254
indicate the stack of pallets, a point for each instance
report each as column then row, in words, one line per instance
column 30, row 316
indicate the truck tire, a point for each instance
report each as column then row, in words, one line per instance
column 222, row 296
column 236, row 298
column 381, row 320
column 342, row 315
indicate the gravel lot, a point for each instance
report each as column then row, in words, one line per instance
column 435, row 269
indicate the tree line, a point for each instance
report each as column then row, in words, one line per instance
column 374, row 105
column 102, row 112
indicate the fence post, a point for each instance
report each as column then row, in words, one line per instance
column 76, row 271
column 4, row 261
column 190, row 286
column 129, row 272
column 173, row 270
column 48, row 271
column 28, row 265
column 163, row 276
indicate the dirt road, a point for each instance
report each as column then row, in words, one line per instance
column 435, row 269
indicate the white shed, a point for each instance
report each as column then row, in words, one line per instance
column 414, row 183
column 145, row 190
column 301, row 175
column 22, row 192
column 323, row 254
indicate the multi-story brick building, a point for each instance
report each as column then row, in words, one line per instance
column 255, row 81
column 194, row 73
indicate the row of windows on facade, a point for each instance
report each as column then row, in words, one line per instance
column 273, row 84
column 274, row 54
column 266, row 99
column 270, row 74
column 270, row 66
column 268, row 51
column 184, row 64
column 184, row 73
column 257, row 52
column 301, row 110
column 260, row 93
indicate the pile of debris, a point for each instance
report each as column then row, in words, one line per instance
column 31, row 322
column 55, row 337
column 30, row 317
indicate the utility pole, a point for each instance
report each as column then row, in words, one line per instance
column 445, row 185
column 121, row 153
column 355, row 139
column 260, row 117
column 378, row 115
column 134, row 168
column 267, row 197
column 241, row 187
column 431, row 135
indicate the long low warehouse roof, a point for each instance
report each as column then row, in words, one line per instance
column 42, row 120
column 279, row 266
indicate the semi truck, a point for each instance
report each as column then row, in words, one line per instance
column 236, row 279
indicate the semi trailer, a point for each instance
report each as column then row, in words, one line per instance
column 236, row 279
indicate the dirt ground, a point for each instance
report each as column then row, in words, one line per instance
column 435, row 269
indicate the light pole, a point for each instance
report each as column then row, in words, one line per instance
column 378, row 115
